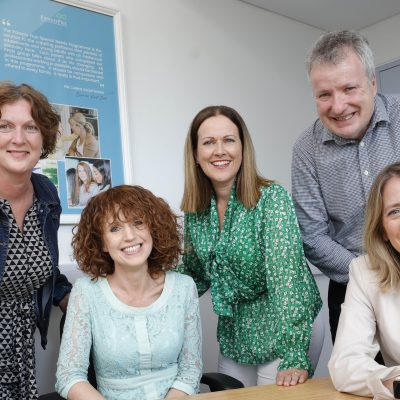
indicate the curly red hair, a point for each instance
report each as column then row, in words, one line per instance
column 133, row 203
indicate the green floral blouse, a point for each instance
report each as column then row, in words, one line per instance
column 262, row 290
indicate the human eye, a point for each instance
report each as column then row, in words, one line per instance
column 230, row 140
column 350, row 89
column 114, row 228
column 31, row 128
column 6, row 127
column 207, row 142
column 138, row 223
column 323, row 95
column 394, row 212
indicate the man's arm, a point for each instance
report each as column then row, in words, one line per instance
column 321, row 250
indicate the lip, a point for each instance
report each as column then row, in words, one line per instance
column 221, row 164
column 18, row 153
column 345, row 118
column 132, row 249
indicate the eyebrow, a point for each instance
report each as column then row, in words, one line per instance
column 390, row 206
column 212, row 137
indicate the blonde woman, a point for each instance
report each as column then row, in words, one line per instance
column 86, row 144
column 370, row 318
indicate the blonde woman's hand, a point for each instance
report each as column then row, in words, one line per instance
column 291, row 377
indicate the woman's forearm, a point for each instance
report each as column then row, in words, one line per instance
column 84, row 391
column 175, row 393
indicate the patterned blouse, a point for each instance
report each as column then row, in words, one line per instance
column 27, row 268
column 261, row 287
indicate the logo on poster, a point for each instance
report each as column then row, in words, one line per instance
column 58, row 19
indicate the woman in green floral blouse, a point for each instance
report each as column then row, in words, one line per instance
column 242, row 240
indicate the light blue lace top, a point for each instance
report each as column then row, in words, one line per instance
column 138, row 353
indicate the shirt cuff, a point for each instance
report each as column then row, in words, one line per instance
column 184, row 387
column 376, row 379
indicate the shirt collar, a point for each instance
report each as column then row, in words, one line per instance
column 379, row 115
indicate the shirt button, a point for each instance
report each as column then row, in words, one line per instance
column 366, row 173
column 362, row 144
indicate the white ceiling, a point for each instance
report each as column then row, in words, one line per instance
column 331, row 15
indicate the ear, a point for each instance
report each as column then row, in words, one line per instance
column 105, row 248
column 374, row 86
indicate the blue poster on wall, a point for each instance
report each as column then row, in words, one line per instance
column 68, row 53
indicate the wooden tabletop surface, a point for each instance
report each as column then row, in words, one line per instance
column 313, row 389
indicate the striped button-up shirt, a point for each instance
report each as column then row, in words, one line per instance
column 331, row 180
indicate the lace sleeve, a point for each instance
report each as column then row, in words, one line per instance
column 73, row 360
column 189, row 360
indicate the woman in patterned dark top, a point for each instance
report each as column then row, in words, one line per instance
column 242, row 240
column 29, row 218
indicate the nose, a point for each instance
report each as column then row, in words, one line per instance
column 18, row 136
column 338, row 103
column 220, row 148
column 129, row 232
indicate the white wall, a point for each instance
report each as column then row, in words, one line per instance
column 182, row 55
column 383, row 38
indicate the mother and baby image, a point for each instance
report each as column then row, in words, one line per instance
column 134, row 315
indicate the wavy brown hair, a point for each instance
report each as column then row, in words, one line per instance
column 198, row 188
column 131, row 203
column 383, row 257
column 42, row 111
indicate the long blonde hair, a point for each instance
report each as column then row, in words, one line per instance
column 198, row 188
column 80, row 119
column 384, row 258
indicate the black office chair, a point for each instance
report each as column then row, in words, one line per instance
column 216, row 381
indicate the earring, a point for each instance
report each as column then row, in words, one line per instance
column 197, row 162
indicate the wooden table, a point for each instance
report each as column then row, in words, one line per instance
column 313, row 389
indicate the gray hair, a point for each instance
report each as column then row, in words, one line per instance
column 333, row 47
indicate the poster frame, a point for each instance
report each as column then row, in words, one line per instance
column 120, row 79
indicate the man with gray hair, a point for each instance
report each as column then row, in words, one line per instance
column 337, row 158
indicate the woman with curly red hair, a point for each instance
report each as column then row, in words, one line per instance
column 140, row 320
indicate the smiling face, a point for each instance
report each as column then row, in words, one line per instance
column 129, row 243
column 219, row 150
column 391, row 211
column 97, row 175
column 344, row 96
column 82, row 173
column 20, row 139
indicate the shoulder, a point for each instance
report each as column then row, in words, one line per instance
column 43, row 187
column 183, row 283
column 274, row 193
column 91, row 141
column 390, row 101
column 361, row 271
column 181, row 279
column 85, row 285
column 309, row 137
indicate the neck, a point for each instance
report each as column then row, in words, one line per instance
column 223, row 191
column 136, row 288
column 130, row 280
column 14, row 187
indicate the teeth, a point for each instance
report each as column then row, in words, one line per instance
column 345, row 118
column 132, row 249
column 220, row 163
